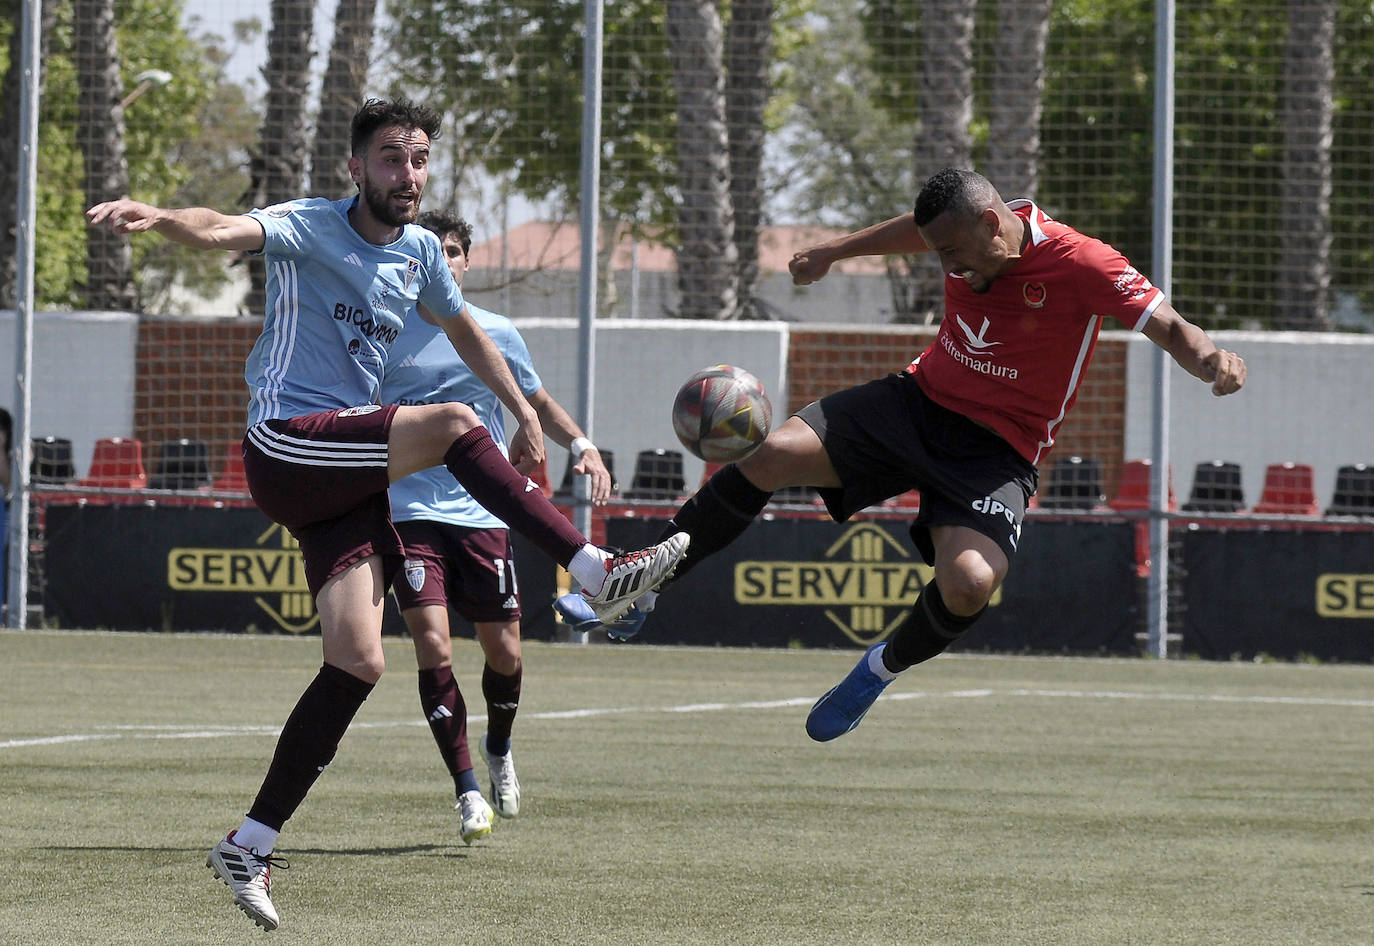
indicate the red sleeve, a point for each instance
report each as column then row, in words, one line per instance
column 1111, row 286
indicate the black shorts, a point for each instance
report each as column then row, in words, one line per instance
column 471, row 569
column 887, row 437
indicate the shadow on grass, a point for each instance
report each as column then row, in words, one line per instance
column 444, row 850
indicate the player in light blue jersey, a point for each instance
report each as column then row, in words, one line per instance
column 458, row 553
column 343, row 278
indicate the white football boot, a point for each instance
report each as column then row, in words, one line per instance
column 248, row 875
column 632, row 575
column 505, row 787
column 475, row 813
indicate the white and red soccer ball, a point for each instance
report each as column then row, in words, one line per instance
column 721, row 414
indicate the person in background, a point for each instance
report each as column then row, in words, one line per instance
column 458, row 553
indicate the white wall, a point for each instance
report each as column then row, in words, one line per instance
column 83, row 376
column 639, row 367
column 1308, row 399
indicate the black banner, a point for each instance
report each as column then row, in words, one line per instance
column 199, row 567
column 811, row 582
column 1289, row 593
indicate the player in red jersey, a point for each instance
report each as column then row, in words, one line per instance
column 967, row 421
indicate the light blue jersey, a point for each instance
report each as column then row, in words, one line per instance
column 423, row 368
column 335, row 306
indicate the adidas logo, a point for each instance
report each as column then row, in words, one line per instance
column 354, row 259
column 530, row 485
column 511, row 603
column 440, row 712
column 626, row 584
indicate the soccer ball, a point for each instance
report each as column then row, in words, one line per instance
column 722, row 414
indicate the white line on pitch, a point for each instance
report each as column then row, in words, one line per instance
column 173, row 731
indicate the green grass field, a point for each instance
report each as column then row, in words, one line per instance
column 672, row 797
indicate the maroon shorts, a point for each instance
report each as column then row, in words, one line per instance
column 324, row 477
column 470, row 569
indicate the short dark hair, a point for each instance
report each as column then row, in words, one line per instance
column 380, row 113
column 954, row 190
column 6, row 431
column 443, row 224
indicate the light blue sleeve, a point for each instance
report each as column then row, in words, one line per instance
column 440, row 293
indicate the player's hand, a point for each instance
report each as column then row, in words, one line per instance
column 124, row 215
column 591, row 464
column 1227, row 370
column 807, row 266
column 527, row 447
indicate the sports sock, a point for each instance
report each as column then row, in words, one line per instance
column 719, row 512
column 927, row 631
column 502, row 693
column 447, row 715
column 308, row 743
column 588, row 568
column 256, row 836
column 467, row 782
column 878, row 667
column 477, row 463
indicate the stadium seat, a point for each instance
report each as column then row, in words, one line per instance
column 1354, row 494
column 795, row 496
column 181, row 464
column 52, row 461
column 232, row 478
column 1133, row 492
column 565, row 488
column 1216, row 488
column 658, row 475
column 1288, row 491
column 116, row 464
column 1073, row 483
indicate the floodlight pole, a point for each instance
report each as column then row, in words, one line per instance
column 1157, row 605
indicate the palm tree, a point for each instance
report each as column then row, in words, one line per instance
column 1304, row 269
column 748, row 51
column 1016, row 102
column 706, row 256
column 345, row 84
column 100, row 131
column 277, row 165
column 10, row 93
column 945, row 107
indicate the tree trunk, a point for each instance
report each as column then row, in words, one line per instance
column 946, row 110
column 10, row 94
column 1016, row 102
column 277, row 166
column 100, row 134
column 748, row 54
column 1304, row 277
column 342, row 92
column 706, row 258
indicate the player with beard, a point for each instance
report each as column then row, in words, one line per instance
column 320, row 450
column 966, row 422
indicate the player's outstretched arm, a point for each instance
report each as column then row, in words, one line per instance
column 1195, row 352
column 198, row 227
column 565, row 432
column 895, row 236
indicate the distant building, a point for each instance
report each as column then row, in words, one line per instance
column 534, row 271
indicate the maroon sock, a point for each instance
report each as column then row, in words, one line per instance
column 477, row 463
column 308, row 742
column 503, row 700
column 448, row 719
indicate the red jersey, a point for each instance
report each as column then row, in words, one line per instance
column 1012, row 358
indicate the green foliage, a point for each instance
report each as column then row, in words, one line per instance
column 150, row 37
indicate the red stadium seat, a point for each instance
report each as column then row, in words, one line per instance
column 116, row 464
column 1288, row 491
column 232, row 479
column 1133, row 492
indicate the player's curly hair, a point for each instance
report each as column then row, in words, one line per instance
column 443, row 224
column 954, row 190
column 381, row 113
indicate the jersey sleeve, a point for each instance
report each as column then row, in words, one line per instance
column 1112, row 287
column 440, row 293
column 288, row 228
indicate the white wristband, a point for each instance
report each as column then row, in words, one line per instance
column 580, row 446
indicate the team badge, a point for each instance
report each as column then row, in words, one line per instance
column 1034, row 294
column 360, row 411
column 412, row 270
column 415, row 573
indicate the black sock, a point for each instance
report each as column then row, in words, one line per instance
column 719, row 512
column 502, row 694
column 447, row 714
column 308, row 742
column 927, row 631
